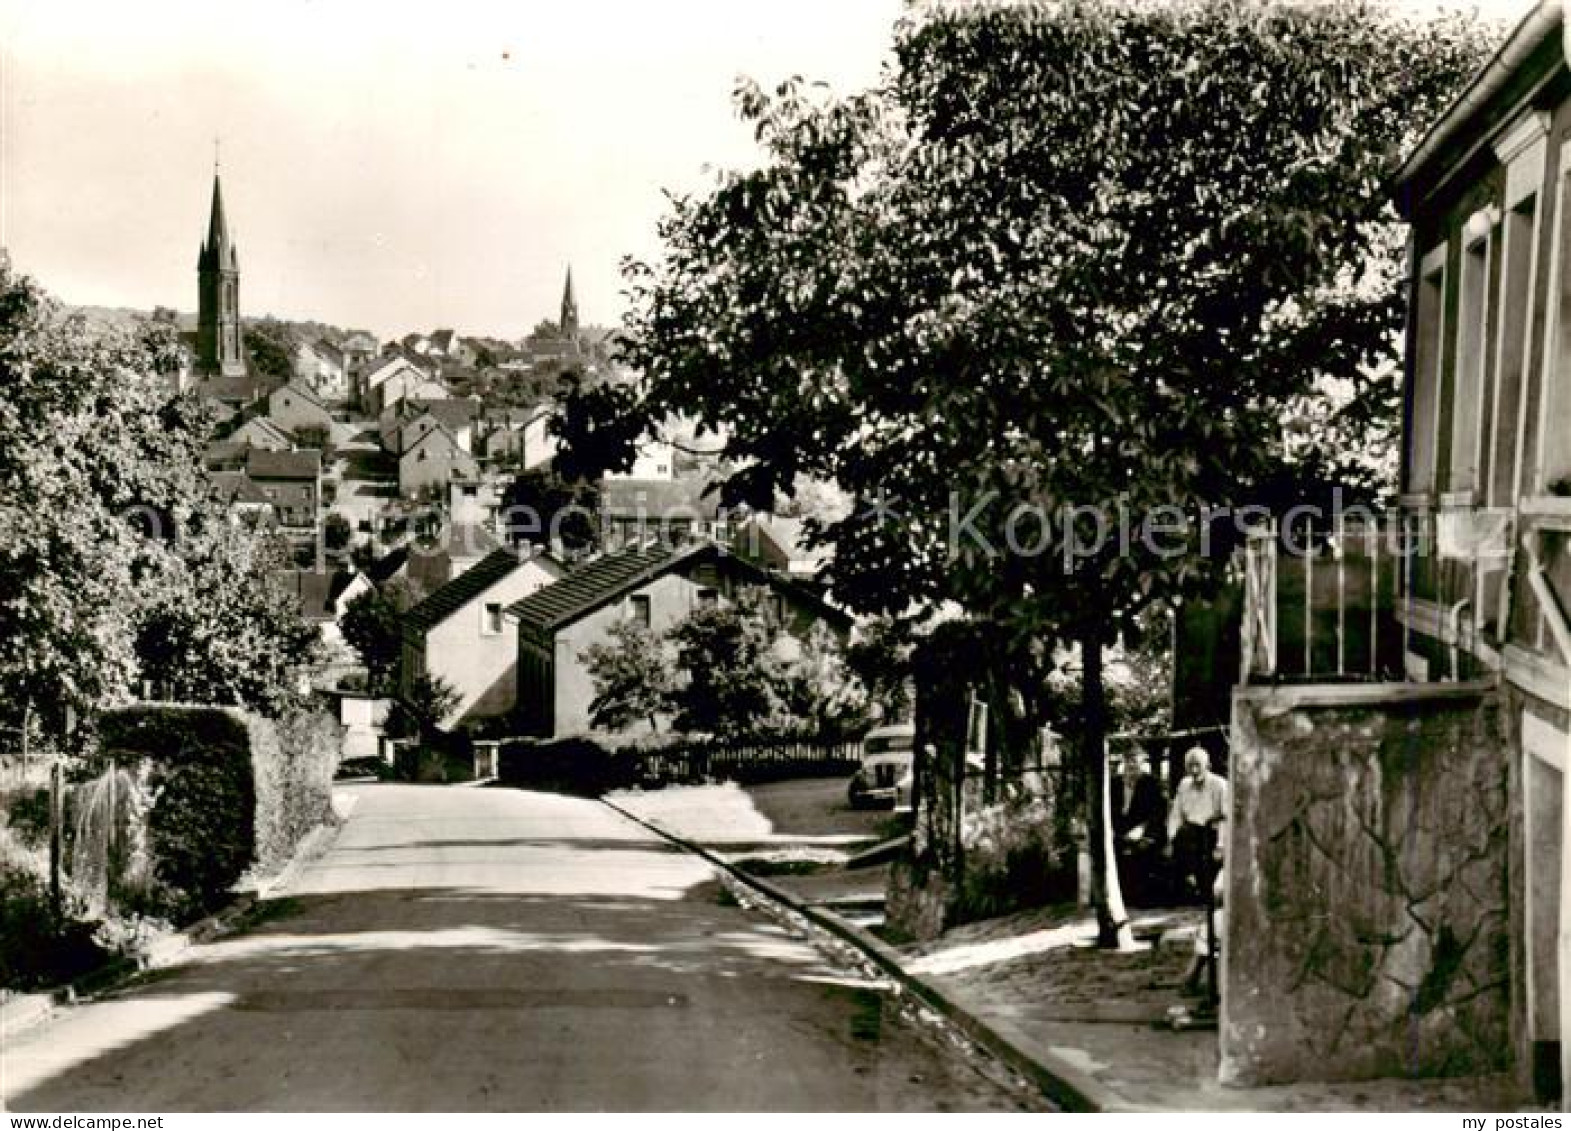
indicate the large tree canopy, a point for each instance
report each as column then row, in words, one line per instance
column 117, row 563
column 1046, row 300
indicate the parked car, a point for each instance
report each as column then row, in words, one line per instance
column 885, row 776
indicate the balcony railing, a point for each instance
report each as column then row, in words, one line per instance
column 1319, row 601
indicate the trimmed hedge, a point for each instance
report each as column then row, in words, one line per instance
column 235, row 791
column 587, row 767
column 579, row 766
column 202, row 829
column 294, row 763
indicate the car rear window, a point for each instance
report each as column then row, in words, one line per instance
column 887, row 743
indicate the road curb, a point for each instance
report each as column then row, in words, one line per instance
column 1067, row 1086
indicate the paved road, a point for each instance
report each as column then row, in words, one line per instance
column 475, row 949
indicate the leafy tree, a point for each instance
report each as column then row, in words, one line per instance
column 420, row 711
column 271, row 345
column 817, row 688
column 730, row 675
column 109, row 529
column 879, row 656
column 373, row 625
column 316, row 436
column 633, row 677
column 336, row 533
column 541, row 503
column 1070, row 262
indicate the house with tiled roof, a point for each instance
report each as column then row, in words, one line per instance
column 518, row 437
column 291, row 482
column 434, row 460
column 413, row 419
column 632, row 511
column 406, row 383
column 779, row 543
column 322, row 597
column 295, row 406
column 261, row 432
column 320, row 366
column 656, row 585
column 461, row 634
column 359, row 349
column 235, row 491
column 370, row 379
column 225, row 455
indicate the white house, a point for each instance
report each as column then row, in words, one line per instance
column 461, row 634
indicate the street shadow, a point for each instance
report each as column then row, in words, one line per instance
column 469, row 999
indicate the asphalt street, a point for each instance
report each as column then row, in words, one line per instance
column 482, row 949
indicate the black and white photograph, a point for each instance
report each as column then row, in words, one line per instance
column 845, row 556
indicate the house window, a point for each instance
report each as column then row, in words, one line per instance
column 1518, row 267
column 1428, row 355
column 1552, row 459
column 639, row 609
column 492, row 625
column 1470, row 380
column 708, row 597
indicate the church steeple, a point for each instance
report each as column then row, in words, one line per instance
column 218, row 296
column 569, row 321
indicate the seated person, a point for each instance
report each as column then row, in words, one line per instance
column 1139, row 805
column 1199, row 807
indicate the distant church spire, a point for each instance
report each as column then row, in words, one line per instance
column 569, row 322
column 218, row 294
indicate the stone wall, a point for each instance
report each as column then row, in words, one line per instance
column 1368, row 887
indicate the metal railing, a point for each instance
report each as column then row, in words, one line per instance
column 1320, row 601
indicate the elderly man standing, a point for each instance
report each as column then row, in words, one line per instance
column 1199, row 807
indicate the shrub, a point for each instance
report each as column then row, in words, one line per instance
column 578, row 766
column 37, row 949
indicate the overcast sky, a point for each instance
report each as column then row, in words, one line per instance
column 394, row 167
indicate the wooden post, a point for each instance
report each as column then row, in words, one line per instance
column 1340, row 546
column 56, row 818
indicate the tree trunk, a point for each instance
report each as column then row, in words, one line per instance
column 1112, row 922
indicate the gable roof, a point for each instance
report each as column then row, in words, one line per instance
column 314, row 591
column 234, row 487
column 605, row 579
column 259, row 462
column 453, row 412
column 390, row 364
column 426, row 441
column 302, row 391
column 460, row 591
column 224, row 455
column 329, row 351
column 657, row 498
column 385, row 568
column 597, row 583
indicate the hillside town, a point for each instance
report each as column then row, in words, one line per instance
column 1039, row 602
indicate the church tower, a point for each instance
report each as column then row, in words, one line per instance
column 218, row 351
column 569, row 321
